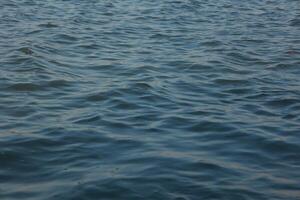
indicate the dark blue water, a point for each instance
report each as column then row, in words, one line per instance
column 132, row 99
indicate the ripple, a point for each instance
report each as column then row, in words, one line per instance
column 232, row 82
column 285, row 67
column 19, row 87
column 59, row 83
column 48, row 25
column 295, row 22
column 149, row 100
column 88, row 119
column 26, row 50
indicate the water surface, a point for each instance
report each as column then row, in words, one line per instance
column 132, row 99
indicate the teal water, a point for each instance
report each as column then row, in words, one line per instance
column 170, row 99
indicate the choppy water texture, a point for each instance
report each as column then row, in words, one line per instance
column 132, row 99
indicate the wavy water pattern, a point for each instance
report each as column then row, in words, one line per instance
column 170, row 99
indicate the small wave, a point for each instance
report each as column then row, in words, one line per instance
column 48, row 25
column 25, row 87
column 26, row 50
column 284, row 67
column 295, row 22
column 174, row 99
column 231, row 82
column 58, row 83
column 89, row 119
column 284, row 102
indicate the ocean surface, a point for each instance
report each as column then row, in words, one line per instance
column 150, row 100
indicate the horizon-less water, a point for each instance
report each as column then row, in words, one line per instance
column 185, row 99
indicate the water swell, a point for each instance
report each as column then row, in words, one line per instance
column 149, row 100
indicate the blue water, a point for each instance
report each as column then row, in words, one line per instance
column 132, row 99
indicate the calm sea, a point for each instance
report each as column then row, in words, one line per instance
column 149, row 100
